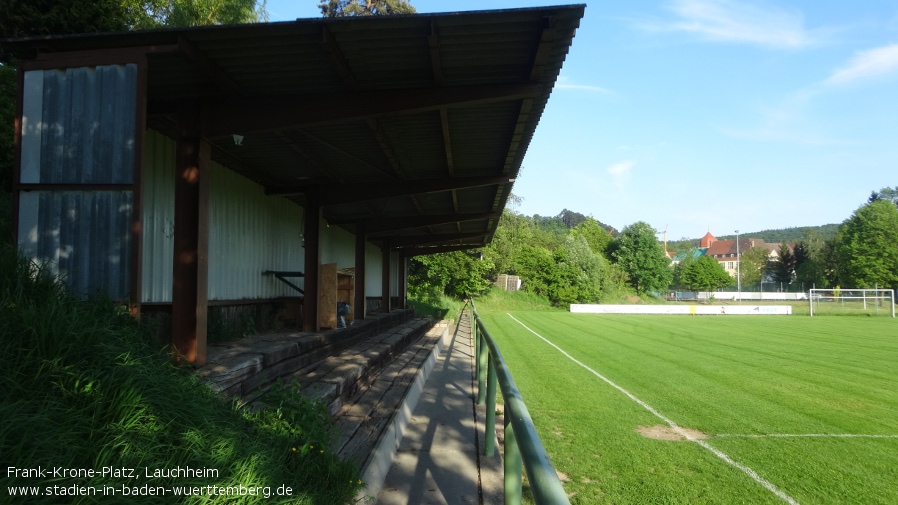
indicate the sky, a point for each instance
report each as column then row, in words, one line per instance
column 710, row 115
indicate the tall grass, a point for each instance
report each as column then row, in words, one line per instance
column 499, row 300
column 437, row 306
column 83, row 389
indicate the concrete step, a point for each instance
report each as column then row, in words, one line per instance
column 372, row 422
column 366, row 414
column 243, row 368
column 339, row 376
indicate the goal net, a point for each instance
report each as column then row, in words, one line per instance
column 873, row 302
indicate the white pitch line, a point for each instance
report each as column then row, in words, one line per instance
column 748, row 471
column 801, row 435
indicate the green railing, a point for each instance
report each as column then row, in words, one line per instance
column 522, row 443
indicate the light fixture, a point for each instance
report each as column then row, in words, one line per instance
column 238, row 139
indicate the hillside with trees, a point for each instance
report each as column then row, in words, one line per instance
column 573, row 258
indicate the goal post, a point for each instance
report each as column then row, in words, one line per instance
column 840, row 301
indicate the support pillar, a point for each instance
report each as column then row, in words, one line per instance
column 402, row 281
column 190, row 272
column 312, row 217
column 360, row 257
column 385, row 277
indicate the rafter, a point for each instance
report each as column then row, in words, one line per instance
column 208, row 67
column 344, row 152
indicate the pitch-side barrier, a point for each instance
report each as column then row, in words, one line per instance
column 583, row 308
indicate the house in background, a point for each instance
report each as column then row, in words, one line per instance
column 727, row 253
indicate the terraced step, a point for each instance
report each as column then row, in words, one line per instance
column 370, row 413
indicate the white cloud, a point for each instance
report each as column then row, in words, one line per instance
column 734, row 21
column 621, row 168
column 620, row 171
column 867, row 64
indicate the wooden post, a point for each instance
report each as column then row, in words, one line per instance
column 385, row 278
column 312, row 216
column 191, row 239
column 402, row 282
column 360, row 302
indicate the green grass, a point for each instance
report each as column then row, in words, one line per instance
column 736, row 375
column 83, row 389
column 499, row 300
column 437, row 307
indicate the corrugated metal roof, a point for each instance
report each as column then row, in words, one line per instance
column 375, row 109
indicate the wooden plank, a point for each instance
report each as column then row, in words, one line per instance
column 327, row 296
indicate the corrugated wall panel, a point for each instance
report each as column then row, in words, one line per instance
column 83, row 236
column 249, row 232
column 373, row 269
column 337, row 246
column 158, row 217
column 78, row 125
column 79, row 129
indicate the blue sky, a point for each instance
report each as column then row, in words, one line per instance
column 711, row 115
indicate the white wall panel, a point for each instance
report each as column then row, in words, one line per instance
column 373, row 270
column 337, row 246
column 249, row 232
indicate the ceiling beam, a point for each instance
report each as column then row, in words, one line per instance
column 334, row 194
column 422, row 251
column 386, row 224
column 249, row 115
column 399, row 241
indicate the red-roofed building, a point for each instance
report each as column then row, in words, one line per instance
column 727, row 254
column 707, row 240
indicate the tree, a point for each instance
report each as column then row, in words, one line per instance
column 639, row 254
column 866, row 247
column 340, row 8
column 829, row 262
column 515, row 230
column 887, row 194
column 783, row 266
column 706, row 274
column 182, row 13
column 753, row 265
column 30, row 18
column 457, row 274
column 596, row 236
column 570, row 218
column 811, row 274
column 538, row 270
column 678, row 280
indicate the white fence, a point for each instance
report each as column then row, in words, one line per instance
column 733, row 295
column 682, row 309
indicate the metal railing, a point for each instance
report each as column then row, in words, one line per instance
column 522, row 443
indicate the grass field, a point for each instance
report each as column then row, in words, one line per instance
column 778, row 409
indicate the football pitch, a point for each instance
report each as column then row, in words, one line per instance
column 644, row 409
